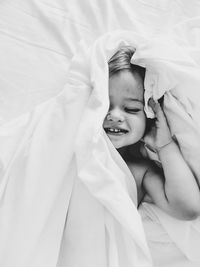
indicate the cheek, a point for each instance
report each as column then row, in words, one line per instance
column 140, row 124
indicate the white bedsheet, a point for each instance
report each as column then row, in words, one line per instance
column 38, row 39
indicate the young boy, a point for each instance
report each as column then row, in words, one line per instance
column 173, row 187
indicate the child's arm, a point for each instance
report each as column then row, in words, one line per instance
column 176, row 190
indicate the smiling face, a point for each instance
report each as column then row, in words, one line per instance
column 125, row 122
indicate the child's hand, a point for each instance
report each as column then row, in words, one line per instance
column 160, row 135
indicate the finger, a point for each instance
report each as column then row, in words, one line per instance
column 161, row 120
column 156, row 108
column 154, row 105
column 159, row 113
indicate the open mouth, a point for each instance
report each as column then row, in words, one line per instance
column 115, row 131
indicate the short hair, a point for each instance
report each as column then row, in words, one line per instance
column 121, row 60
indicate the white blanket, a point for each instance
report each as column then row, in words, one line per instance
column 56, row 162
column 67, row 196
column 65, row 159
column 39, row 38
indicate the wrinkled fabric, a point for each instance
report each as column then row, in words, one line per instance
column 172, row 72
column 173, row 243
column 39, row 38
column 66, row 196
column 180, row 105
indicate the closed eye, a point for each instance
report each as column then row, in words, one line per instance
column 132, row 110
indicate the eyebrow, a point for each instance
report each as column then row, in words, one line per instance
column 134, row 99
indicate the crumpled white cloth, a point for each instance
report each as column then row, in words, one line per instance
column 39, row 38
column 67, row 198
column 173, row 243
column 105, row 175
column 174, row 73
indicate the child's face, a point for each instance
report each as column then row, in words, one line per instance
column 125, row 122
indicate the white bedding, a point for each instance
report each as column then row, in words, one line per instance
column 42, row 89
column 38, row 39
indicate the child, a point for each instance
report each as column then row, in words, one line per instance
column 173, row 187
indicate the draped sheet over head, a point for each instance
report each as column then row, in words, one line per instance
column 60, row 162
column 172, row 71
column 66, row 197
column 38, row 39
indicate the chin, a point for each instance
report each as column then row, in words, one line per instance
column 118, row 145
column 123, row 143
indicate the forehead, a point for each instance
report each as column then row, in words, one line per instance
column 126, row 84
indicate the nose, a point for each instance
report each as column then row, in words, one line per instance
column 115, row 115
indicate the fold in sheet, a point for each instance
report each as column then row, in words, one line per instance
column 67, row 197
column 106, row 177
column 73, row 197
column 173, row 243
column 39, row 38
column 172, row 73
column 34, row 191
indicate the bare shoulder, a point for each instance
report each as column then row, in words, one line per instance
column 141, row 168
column 148, row 177
column 153, row 184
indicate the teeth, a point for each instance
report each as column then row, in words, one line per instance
column 113, row 130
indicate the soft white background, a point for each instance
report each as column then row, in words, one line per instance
column 39, row 37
